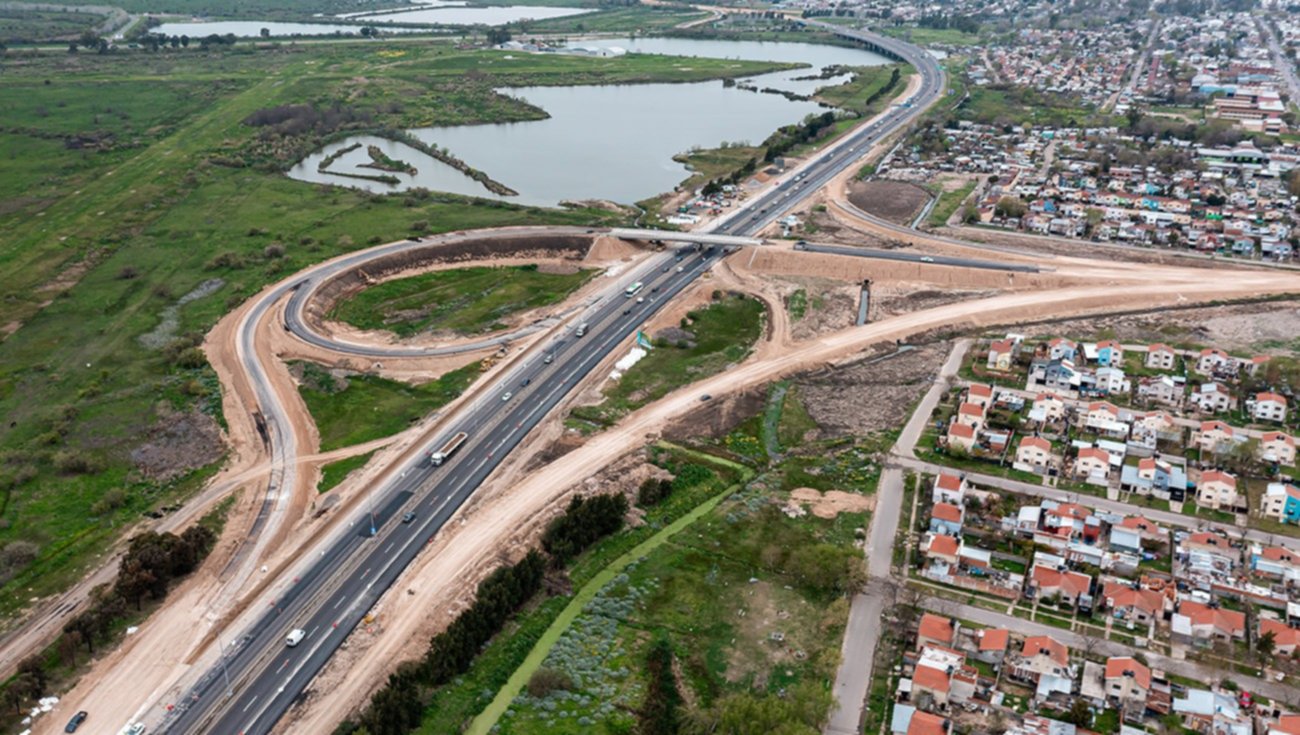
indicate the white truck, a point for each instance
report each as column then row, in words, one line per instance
column 442, row 455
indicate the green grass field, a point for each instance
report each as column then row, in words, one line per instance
column 710, row 163
column 335, row 472
column 370, row 407
column 723, row 333
column 867, row 81
column 948, row 203
column 931, row 36
column 462, row 300
column 128, row 179
column 1023, row 106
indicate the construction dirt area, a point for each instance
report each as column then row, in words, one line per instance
column 896, row 201
column 850, row 379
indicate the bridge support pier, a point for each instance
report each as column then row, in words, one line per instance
column 864, row 301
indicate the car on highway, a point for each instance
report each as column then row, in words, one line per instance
column 408, row 516
column 640, row 299
column 627, row 311
column 705, row 397
column 76, row 721
column 135, row 729
column 550, row 358
column 527, row 382
column 295, row 637
column 681, row 268
column 506, row 396
column 582, row 328
column 654, row 290
column 926, row 259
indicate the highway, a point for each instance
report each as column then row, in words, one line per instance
column 332, row 594
column 798, row 183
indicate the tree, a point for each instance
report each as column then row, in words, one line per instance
column 185, row 41
column 265, row 33
column 1265, row 646
column 497, row 36
column 1080, row 714
column 1009, row 207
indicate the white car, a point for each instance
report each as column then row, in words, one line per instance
column 926, row 259
column 506, row 397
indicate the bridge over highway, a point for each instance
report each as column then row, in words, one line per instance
column 632, row 233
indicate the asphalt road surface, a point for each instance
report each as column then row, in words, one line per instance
column 914, row 257
column 260, row 677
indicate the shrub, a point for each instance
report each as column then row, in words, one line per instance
column 228, row 259
column 273, row 251
column 128, row 272
column 15, row 556
column 546, row 680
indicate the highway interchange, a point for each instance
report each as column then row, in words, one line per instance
column 259, row 677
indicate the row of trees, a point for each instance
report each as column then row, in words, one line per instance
column 152, row 562
column 585, row 521
column 789, row 136
column 399, row 706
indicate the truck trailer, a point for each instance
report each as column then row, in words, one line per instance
column 442, row 455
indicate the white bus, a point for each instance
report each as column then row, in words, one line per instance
column 632, row 290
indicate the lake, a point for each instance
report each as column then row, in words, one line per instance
column 612, row 142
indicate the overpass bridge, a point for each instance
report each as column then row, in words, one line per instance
column 633, row 233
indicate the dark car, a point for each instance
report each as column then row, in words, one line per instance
column 76, row 721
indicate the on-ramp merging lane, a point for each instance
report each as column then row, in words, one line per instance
column 332, row 595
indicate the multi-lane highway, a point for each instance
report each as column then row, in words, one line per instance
column 259, row 676
column 334, row 594
column 798, row 183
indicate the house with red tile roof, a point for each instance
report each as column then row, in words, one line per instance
column 1127, row 681
column 1068, row 586
column 1161, row 357
column 971, row 414
column 1137, row 604
column 1092, row 463
column 943, row 548
column 991, row 644
column 1277, row 446
column 961, row 435
column 1206, row 623
column 1034, row 453
column 1213, row 436
column 946, row 518
column 1041, row 655
column 1217, row 490
column 1002, row 355
column 935, row 630
column 948, row 488
column 980, row 394
column 1268, row 407
column 1285, row 638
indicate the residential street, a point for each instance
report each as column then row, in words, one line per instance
column 853, row 680
column 1163, row 517
column 1271, row 689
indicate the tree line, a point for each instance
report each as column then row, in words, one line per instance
column 399, row 706
column 151, row 564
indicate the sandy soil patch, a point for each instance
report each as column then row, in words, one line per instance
column 831, row 503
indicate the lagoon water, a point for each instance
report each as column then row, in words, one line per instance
column 611, row 142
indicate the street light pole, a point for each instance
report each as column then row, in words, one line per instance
column 225, row 672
